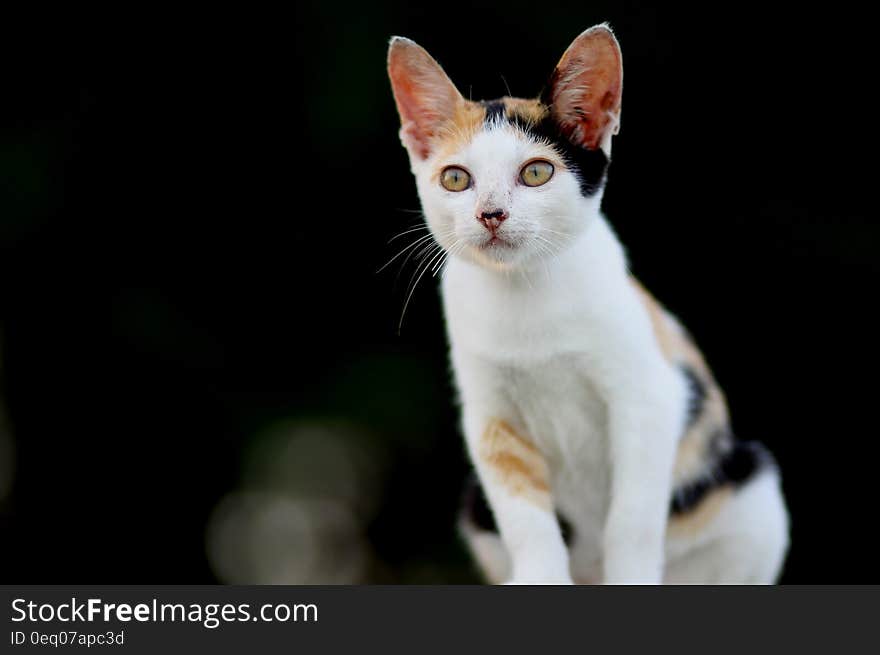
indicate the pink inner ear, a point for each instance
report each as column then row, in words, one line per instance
column 417, row 120
column 586, row 88
column 424, row 95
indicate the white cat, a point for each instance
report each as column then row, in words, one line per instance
column 585, row 405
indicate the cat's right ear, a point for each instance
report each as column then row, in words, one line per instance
column 425, row 96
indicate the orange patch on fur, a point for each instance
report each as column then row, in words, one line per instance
column 516, row 463
column 691, row 456
column 659, row 321
column 678, row 349
column 460, row 128
column 671, row 337
column 470, row 116
column 531, row 110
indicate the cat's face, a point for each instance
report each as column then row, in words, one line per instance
column 510, row 182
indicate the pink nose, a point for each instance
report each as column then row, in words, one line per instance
column 491, row 220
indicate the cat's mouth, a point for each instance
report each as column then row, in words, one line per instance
column 495, row 241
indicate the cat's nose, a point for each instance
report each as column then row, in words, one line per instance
column 491, row 220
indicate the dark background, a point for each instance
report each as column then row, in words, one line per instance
column 192, row 211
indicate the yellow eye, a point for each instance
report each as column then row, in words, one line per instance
column 536, row 173
column 454, row 178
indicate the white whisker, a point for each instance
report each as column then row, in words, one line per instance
column 412, row 245
column 425, row 265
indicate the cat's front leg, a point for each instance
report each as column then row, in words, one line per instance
column 645, row 421
column 516, row 480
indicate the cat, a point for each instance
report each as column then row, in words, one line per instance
column 601, row 442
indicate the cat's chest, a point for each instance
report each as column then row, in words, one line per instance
column 544, row 349
column 562, row 412
column 521, row 327
column 559, row 405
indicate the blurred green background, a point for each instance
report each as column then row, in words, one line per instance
column 202, row 374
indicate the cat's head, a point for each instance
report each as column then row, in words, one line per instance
column 508, row 182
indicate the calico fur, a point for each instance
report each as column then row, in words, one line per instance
column 586, row 407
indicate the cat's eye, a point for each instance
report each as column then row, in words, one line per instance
column 454, row 178
column 536, row 173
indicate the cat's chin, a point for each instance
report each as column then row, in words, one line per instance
column 496, row 244
column 499, row 255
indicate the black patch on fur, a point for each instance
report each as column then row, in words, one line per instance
column 696, row 395
column 565, row 528
column 494, row 110
column 746, row 458
column 736, row 464
column 475, row 509
column 590, row 166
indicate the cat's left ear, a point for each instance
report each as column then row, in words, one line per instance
column 585, row 89
column 426, row 98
